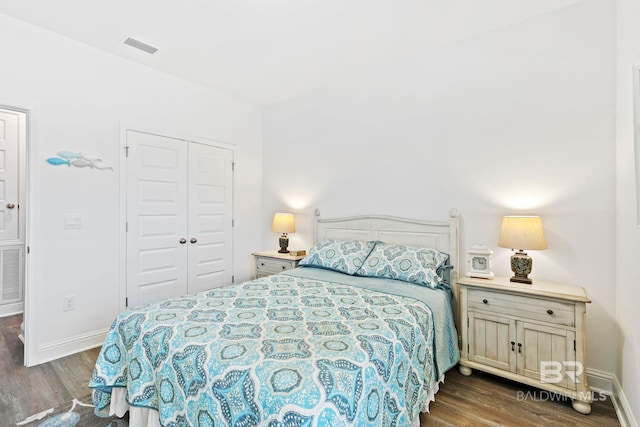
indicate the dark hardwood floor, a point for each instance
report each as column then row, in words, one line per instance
column 478, row 400
column 486, row 400
column 27, row 391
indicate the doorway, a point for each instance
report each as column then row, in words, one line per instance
column 14, row 140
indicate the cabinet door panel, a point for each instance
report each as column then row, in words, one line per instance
column 545, row 344
column 490, row 340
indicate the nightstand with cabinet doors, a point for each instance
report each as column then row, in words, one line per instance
column 272, row 262
column 532, row 334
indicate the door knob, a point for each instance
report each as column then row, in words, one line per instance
column 183, row 241
column 10, row 206
column 193, row 240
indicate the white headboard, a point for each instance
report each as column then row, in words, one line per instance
column 440, row 235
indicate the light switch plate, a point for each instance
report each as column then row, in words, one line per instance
column 72, row 222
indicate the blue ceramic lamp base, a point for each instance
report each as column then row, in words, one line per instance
column 284, row 243
column 521, row 265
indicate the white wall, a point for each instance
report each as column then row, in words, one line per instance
column 517, row 120
column 79, row 96
column 628, row 233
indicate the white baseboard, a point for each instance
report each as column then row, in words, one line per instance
column 58, row 349
column 603, row 382
column 621, row 404
column 11, row 309
column 600, row 381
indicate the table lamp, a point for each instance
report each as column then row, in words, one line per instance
column 521, row 233
column 283, row 223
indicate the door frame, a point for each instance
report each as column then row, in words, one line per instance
column 122, row 231
column 31, row 173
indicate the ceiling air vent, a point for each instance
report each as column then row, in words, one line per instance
column 140, row 45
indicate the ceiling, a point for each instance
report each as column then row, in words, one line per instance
column 267, row 51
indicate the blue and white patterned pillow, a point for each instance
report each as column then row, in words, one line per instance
column 344, row 256
column 407, row 263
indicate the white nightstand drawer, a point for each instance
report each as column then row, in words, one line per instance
column 524, row 307
column 270, row 265
column 272, row 262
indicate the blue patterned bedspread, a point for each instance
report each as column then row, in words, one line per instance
column 284, row 350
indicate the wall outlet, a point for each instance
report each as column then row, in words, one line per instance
column 69, row 303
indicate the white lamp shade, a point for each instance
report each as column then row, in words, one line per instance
column 522, row 232
column 283, row 223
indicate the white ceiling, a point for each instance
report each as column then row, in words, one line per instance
column 266, row 51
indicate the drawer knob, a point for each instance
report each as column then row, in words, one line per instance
column 485, row 301
column 262, row 264
column 284, row 267
column 549, row 311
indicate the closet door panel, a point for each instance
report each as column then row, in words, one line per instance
column 157, row 207
column 210, row 216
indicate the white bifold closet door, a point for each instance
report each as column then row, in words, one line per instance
column 179, row 217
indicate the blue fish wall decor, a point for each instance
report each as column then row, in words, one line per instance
column 58, row 161
column 80, row 160
column 69, row 155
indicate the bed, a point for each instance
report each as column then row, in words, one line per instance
column 345, row 340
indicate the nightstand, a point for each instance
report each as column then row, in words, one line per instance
column 532, row 334
column 271, row 262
